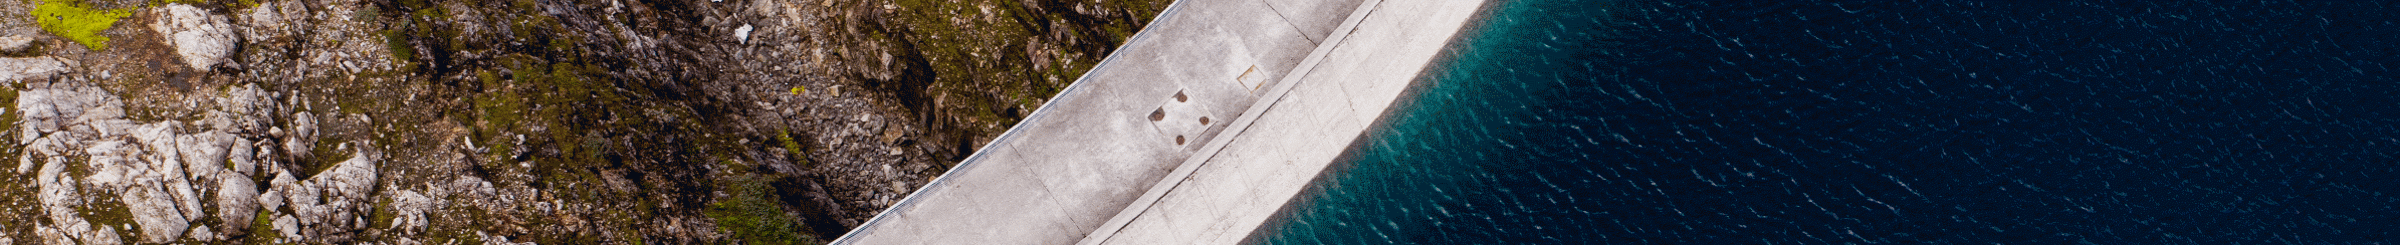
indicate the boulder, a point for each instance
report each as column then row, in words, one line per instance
column 201, row 38
column 13, row 44
column 14, row 70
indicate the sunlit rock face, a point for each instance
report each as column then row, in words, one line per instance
column 202, row 39
column 103, row 177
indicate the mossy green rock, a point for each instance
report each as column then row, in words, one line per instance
column 77, row 21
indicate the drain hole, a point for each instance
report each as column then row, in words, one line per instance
column 1178, row 140
column 1203, row 121
column 1180, row 98
column 1160, row 114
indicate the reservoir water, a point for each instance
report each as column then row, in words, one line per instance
column 1808, row 122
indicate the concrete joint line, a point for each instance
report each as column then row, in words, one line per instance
column 1240, row 124
column 1287, row 21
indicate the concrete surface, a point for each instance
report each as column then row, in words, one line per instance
column 1109, row 137
column 1236, row 183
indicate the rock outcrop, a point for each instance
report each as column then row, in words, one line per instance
column 15, row 44
column 169, row 179
column 30, row 69
column 510, row 122
column 203, row 39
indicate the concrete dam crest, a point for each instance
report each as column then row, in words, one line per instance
column 1197, row 131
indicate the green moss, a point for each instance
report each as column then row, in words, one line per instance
column 77, row 21
column 262, row 229
column 76, row 166
column 8, row 99
column 499, row 111
column 108, row 213
column 383, row 214
column 367, row 13
column 792, row 146
column 11, row 152
column 430, row 12
column 750, row 213
column 322, row 155
column 986, row 68
column 402, row 51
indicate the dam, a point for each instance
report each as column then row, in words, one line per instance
column 1197, row 131
column 1788, row 122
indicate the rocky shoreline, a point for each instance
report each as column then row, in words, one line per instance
column 499, row 122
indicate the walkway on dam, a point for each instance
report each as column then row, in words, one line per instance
column 1112, row 158
column 1262, row 162
column 1108, row 137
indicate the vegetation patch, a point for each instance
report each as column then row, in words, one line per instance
column 749, row 212
column 77, row 21
column 792, row 147
column 262, row 229
column 8, row 99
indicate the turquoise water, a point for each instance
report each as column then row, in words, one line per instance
column 1828, row 122
column 1494, row 106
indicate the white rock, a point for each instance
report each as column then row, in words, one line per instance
column 15, row 43
column 302, row 136
column 116, row 171
column 160, row 172
column 240, row 156
column 159, row 151
column 105, row 119
column 103, row 235
column 263, row 156
column 14, row 70
column 742, row 34
column 152, row 208
column 410, row 208
column 237, row 200
column 264, row 21
column 202, row 233
column 204, row 153
column 274, row 196
column 249, row 107
column 351, row 179
column 218, row 120
column 203, row 39
column 54, row 123
column 498, row 240
column 330, row 203
column 290, row 227
column 59, row 196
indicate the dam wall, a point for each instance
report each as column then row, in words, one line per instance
column 1265, row 159
column 1268, row 89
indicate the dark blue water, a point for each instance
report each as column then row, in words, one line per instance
column 1803, row 122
